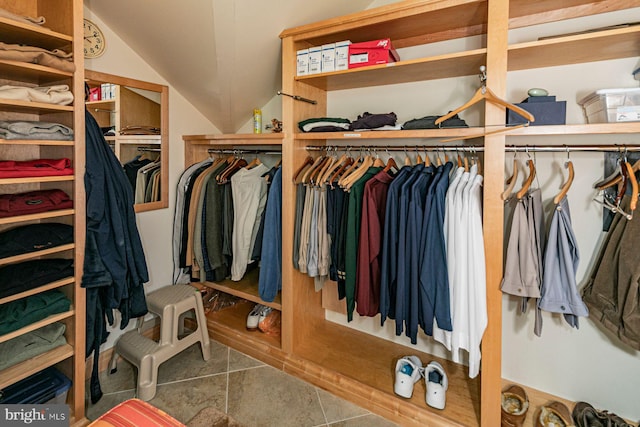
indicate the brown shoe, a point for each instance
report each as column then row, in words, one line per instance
column 586, row 415
column 554, row 414
column 515, row 405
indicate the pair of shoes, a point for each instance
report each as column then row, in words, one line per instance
column 257, row 315
column 554, row 414
column 586, row 415
column 514, row 406
column 409, row 371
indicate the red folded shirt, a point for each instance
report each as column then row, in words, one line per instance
column 33, row 202
column 39, row 167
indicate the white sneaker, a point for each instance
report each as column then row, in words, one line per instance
column 263, row 313
column 408, row 372
column 436, row 382
column 254, row 317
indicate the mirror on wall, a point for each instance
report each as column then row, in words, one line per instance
column 134, row 118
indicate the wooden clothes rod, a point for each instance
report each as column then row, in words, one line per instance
column 149, row 149
column 470, row 148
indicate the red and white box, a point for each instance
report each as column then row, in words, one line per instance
column 94, row 94
column 373, row 52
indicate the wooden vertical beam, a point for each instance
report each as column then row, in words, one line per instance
column 493, row 211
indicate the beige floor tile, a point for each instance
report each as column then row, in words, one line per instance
column 365, row 421
column 123, row 379
column 239, row 361
column 184, row 399
column 336, row 409
column 190, row 364
column 267, row 397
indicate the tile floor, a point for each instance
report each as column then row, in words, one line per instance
column 253, row 393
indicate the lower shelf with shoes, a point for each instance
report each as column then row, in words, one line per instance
column 526, row 407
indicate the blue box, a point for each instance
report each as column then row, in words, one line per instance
column 47, row 386
column 545, row 109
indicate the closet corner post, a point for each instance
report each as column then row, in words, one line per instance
column 493, row 213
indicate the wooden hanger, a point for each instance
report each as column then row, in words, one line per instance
column 391, row 163
column 407, row 159
column 634, row 187
column 358, row 173
column 615, row 177
column 255, row 162
column 348, row 162
column 307, row 162
column 332, row 168
column 418, row 157
column 484, row 93
column 511, row 181
column 305, row 177
column 527, row 183
column 377, row 162
column 567, row 184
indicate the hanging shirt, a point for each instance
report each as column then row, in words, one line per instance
column 434, row 279
column 415, row 224
column 477, row 277
column 301, row 189
column 218, row 267
column 370, row 246
column 353, row 235
column 450, row 227
column 270, row 280
column 388, row 267
column 559, row 293
column 403, row 278
column 305, row 229
column 249, row 191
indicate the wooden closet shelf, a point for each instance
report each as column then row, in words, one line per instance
column 36, row 179
column 36, row 254
column 247, row 288
column 32, row 35
column 37, row 325
column 53, row 285
column 370, row 361
column 235, row 139
column 597, row 46
column 49, row 142
column 29, row 367
column 37, row 216
column 231, row 323
column 32, row 73
column 436, row 67
column 32, row 107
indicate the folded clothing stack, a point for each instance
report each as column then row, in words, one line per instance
column 31, row 344
column 23, row 276
column 18, row 314
column 24, row 129
column 33, row 202
column 429, row 122
column 39, row 167
column 34, row 237
column 56, row 94
column 324, row 124
column 55, row 58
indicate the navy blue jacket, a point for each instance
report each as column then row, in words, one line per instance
column 115, row 268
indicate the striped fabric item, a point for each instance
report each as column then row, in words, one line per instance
column 136, row 413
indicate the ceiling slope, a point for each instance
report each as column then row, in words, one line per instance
column 222, row 55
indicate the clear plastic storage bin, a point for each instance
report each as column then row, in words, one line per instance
column 612, row 106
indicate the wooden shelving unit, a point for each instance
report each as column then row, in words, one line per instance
column 63, row 31
column 306, row 333
column 353, row 364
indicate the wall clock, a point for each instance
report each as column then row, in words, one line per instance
column 94, row 42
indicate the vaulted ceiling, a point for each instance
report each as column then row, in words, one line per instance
column 222, row 55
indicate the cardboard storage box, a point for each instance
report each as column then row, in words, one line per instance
column 302, row 59
column 612, row 105
column 545, row 109
column 315, row 59
column 372, row 53
column 342, row 55
column 48, row 386
column 328, row 57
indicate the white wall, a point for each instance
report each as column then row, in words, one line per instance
column 155, row 226
column 585, row 364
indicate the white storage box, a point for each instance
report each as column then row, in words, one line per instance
column 328, row 57
column 315, row 60
column 612, row 106
column 302, row 59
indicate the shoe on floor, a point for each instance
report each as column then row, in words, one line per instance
column 437, row 383
column 254, row 317
column 554, row 414
column 514, row 406
column 264, row 312
column 408, row 372
column 585, row 415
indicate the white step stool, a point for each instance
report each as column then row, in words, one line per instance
column 169, row 303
